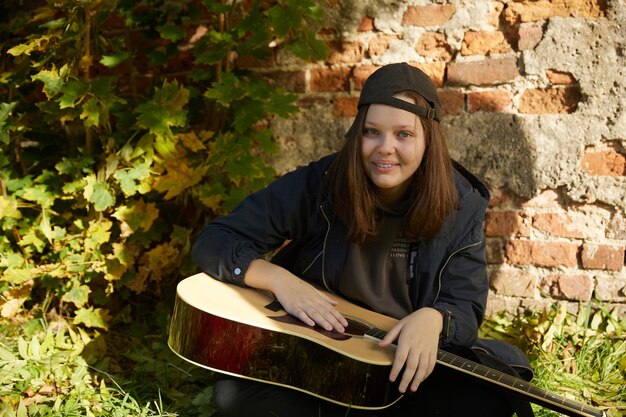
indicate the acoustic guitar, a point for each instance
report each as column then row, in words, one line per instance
column 245, row 333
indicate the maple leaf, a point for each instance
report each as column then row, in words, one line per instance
column 138, row 215
column 79, row 296
column 53, row 79
column 91, row 317
column 178, row 178
column 98, row 193
column 131, row 179
column 165, row 110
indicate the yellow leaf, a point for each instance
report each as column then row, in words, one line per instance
column 99, row 232
column 212, row 201
column 8, row 208
column 179, row 177
column 138, row 215
column 191, row 141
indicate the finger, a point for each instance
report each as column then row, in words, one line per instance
column 425, row 368
column 328, row 299
column 398, row 362
column 411, row 367
column 304, row 317
column 320, row 320
column 341, row 320
column 391, row 336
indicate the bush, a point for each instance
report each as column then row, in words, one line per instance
column 124, row 127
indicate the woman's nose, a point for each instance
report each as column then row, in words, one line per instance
column 386, row 144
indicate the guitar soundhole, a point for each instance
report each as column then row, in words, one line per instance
column 356, row 328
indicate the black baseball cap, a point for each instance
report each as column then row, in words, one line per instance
column 391, row 79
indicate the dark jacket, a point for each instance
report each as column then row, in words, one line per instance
column 447, row 272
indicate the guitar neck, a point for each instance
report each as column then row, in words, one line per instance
column 509, row 382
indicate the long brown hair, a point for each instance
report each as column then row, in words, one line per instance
column 432, row 191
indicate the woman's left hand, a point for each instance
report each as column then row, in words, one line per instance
column 417, row 343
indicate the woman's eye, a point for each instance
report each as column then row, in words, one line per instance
column 370, row 132
column 404, row 134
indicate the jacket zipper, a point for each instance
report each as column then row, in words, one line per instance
column 324, row 248
column 446, row 264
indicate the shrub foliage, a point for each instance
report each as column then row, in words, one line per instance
column 124, row 126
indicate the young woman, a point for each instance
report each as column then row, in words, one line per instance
column 389, row 222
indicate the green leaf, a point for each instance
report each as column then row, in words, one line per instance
column 98, row 193
column 79, row 296
column 113, row 61
column 91, row 317
column 172, row 33
column 91, row 113
column 17, row 275
column 44, row 225
column 227, row 91
column 284, row 18
column 6, row 110
column 9, row 208
column 72, row 92
column 39, row 194
column 128, row 178
column 52, row 80
column 165, row 110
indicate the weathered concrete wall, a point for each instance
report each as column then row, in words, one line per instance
column 534, row 95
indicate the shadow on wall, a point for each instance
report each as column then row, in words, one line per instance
column 495, row 148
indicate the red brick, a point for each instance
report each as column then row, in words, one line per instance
column 345, row 52
column 545, row 254
column 528, row 37
column 452, row 102
column 434, row 45
column 485, row 43
column 506, row 223
column 484, row 72
column 557, row 224
column 493, row 17
column 608, row 257
column 535, row 10
column 361, row 73
column 550, row 100
column 606, row 163
column 432, row 15
column 435, row 70
column 345, row 106
column 513, row 282
column 367, row 24
column 560, row 77
column 500, row 198
column 248, row 61
column 378, row 45
column 490, row 101
column 578, row 287
column 329, row 80
column 610, row 288
column 545, row 199
column 617, row 226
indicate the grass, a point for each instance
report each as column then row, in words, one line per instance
column 580, row 356
column 49, row 368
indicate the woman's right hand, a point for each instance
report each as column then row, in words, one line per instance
column 298, row 297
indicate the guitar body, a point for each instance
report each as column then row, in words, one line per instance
column 245, row 333
column 242, row 332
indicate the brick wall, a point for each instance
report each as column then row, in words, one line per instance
column 533, row 96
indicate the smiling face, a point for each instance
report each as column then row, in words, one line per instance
column 392, row 148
